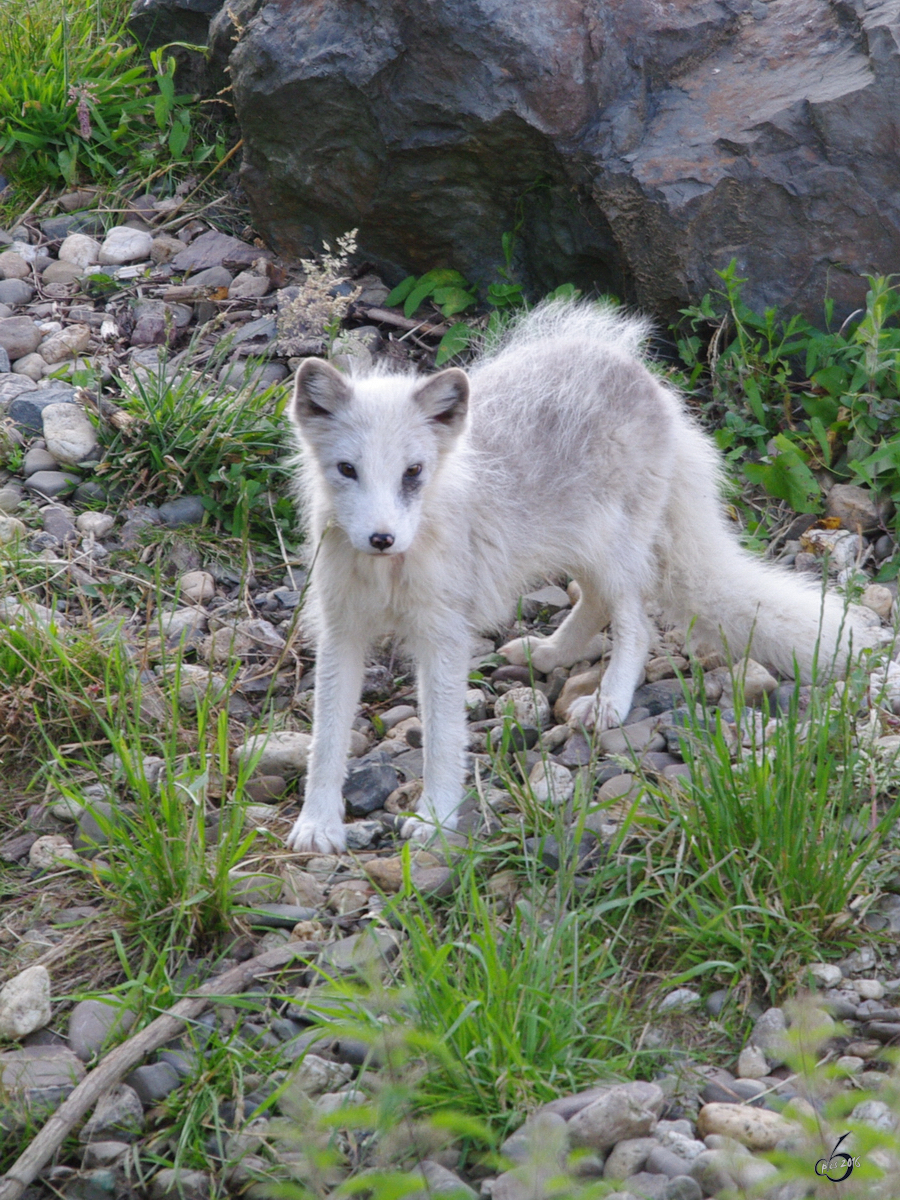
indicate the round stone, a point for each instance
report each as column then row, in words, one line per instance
column 125, row 245
column 69, row 434
column 15, row 291
column 79, row 250
column 19, row 336
column 13, row 266
column 96, row 524
column 197, row 587
column 51, row 851
column 24, row 1004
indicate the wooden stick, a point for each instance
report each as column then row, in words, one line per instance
column 119, row 1061
column 385, row 317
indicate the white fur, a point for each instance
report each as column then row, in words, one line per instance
column 573, row 458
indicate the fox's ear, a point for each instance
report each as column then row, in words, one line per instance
column 319, row 391
column 444, row 398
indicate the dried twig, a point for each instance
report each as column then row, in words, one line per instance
column 386, row 317
column 119, row 1061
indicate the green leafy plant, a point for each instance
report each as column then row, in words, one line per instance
column 194, row 433
column 69, row 102
column 801, row 400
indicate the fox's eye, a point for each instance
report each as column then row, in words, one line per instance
column 347, row 470
column 413, row 471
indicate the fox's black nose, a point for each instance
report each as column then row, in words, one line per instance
column 381, row 541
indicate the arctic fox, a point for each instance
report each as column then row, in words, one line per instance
column 434, row 502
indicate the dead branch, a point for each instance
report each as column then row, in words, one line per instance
column 120, row 1061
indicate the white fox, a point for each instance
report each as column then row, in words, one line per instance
column 434, row 502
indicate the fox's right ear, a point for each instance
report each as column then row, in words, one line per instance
column 319, row 391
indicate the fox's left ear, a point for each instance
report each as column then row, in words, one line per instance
column 444, row 399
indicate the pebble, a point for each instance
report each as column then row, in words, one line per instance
column 752, row 1063
column 15, row 291
column 67, row 343
column 628, row 1110
column 177, row 1183
column 755, row 1128
column 19, row 336
column 185, row 510
column 51, row 851
column 367, row 786
column 79, row 250
column 61, row 272
column 124, row 245
column 95, row 524
column 153, row 1081
column 247, row 285
column 526, row 706
column 52, row 483
column 93, row 1022
column 857, row 508
column 211, row 277
column 11, row 496
column 13, row 266
column 24, row 1003
column 828, row 975
column 282, row 753
column 197, row 587
column 868, row 989
column 551, row 783
column 679, row 1000
column 637, row 738
column 118, row 1114
column 628, row 1157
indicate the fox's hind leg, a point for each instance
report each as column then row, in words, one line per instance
column 577, row 638
column 631, row 633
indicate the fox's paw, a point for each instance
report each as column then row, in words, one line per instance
column 317, row 837
column 538, row 651
column 593, row 712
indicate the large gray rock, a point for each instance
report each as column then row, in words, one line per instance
column 643, row 145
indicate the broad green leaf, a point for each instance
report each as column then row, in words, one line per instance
column 454, row 341
column 401, row 291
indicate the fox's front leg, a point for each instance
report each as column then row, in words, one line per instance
column 443, row 669
column 340, row 660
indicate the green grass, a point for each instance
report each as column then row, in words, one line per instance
column 193, row 434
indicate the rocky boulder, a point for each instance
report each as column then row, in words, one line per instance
column 642, row 145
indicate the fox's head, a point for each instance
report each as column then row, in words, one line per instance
column 378, row 442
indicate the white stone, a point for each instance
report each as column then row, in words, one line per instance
column 96, row 524
column 282, row 753
column 197, row 587
column 30, row 365
column 182, row 620
column 11, row 528
column 679, row 1000
column 868, row 989
column 755, row 1128
column 315, row 1075
column 627, row 1110
column 69, row 435
column 752, row 1063
column 524, row 705
column 53, row 850
column 551, row 782
column 826, row 974
column 24, row 1004
column 11, row 611
column 125, row 245
column 67, row 343
column 79, row 250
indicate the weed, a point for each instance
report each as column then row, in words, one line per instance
column 195, row 434
column 801, row 400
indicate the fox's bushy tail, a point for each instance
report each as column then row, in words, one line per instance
column 728, row 596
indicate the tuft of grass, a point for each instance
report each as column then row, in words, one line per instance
column 195, row 434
